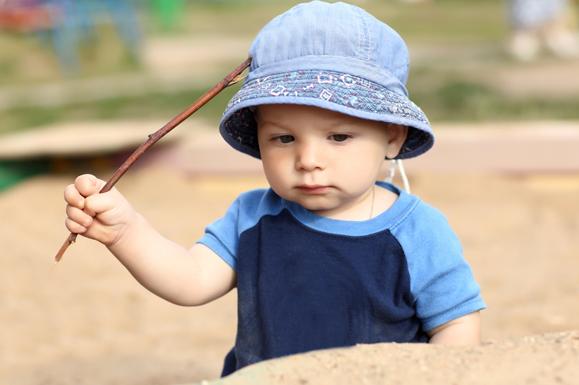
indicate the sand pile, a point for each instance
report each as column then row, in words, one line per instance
column 546, row 359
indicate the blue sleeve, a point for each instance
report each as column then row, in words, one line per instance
column 222, row 236
column 441, row 280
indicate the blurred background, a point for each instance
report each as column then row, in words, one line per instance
column 65, row 61
column 83, row 82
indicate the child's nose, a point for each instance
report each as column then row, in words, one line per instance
column 308, row 157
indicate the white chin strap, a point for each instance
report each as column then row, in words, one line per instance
column 397, row 163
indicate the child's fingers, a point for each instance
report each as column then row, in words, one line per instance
column 73, row 197
column 77, row 215
column 74, row 227
column 99, row 203
column 88, row 184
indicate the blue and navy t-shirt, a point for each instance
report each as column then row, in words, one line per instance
column 308, row 282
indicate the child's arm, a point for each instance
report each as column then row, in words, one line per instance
column 181, row 276
column 461, row 331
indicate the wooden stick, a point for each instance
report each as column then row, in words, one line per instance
column 230, row 79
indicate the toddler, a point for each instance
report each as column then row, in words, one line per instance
column 327, row 256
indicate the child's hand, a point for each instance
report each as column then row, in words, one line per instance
column 103, row 217
column 185, row 277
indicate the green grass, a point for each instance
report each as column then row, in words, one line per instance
column 473, row 20
column 463, row 100
column 162, row 106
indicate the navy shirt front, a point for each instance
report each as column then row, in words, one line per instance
column 307, row 282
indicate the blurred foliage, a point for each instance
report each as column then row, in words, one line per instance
column 26, row 59
column 150, row 105
column 463, row 100
column 480, row 20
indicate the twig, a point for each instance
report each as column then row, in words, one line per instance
column 230, row 79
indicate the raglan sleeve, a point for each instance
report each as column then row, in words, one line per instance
column 441, row 280
column 222, row 236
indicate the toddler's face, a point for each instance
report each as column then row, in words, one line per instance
column 324, row 160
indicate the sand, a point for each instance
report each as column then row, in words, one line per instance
column 527, row 360
column 86, row 321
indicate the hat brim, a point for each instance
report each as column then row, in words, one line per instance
column 335, row 91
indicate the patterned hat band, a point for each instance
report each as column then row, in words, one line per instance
column 336, row 91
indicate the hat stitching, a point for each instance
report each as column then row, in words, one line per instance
column 343, row 89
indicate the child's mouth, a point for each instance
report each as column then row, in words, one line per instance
column 313, row 189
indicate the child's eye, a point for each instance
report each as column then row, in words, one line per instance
column 340, row 137
column 285, row 138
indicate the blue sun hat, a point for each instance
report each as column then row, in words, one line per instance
column 334, row 56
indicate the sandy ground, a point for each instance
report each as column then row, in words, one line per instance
column 527, row 360
column 86, row 321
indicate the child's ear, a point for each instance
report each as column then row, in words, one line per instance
column 396, row 138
